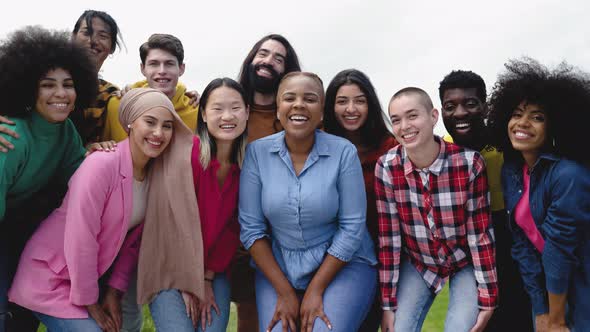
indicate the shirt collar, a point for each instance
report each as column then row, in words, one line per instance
column 320, row 146
column 435, row 167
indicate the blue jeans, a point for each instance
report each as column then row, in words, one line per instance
column 131, row 311
column 169, row 312
column 55, row 324
column 414, row 299
column 347, row 299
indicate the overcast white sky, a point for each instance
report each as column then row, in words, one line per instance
column 396, row 43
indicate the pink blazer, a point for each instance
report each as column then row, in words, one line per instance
column 59, row 269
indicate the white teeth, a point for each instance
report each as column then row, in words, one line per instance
column 228, row 126
column 353, row 117
column 162, row 80
column 462, row 125
column 154, row 143
column 407, row 136
column 521, row 134
column 298, row 118
column 59, row 105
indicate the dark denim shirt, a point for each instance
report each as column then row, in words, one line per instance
column 559, row 200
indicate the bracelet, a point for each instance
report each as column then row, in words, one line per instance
column 208, row 279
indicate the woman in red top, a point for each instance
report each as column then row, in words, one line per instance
column 217, row 156
column 352, row 110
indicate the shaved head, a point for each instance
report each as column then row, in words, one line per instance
column 423, row 97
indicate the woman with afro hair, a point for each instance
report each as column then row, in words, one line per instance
column 538, row 117
column 44, row 78
column 100, row 35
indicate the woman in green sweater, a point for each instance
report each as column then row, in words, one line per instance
column 44, row 78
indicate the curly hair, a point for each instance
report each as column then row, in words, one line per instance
column 563, row 93
column 373, row 131
column 463, row 79
column 28, row 54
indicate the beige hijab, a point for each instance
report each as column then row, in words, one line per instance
column 171, row 253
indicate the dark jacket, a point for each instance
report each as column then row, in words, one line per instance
column 559, row 200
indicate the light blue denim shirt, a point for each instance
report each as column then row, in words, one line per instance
column 321, row 211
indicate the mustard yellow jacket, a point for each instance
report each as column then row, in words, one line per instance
column 114, row 131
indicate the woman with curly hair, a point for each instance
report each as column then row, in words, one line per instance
column 59, row 78
column 99, row 33
column 352, row 110
column 538, row 116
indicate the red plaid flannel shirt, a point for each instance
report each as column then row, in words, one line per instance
column 443, row 227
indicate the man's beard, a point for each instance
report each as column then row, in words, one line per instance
column 261, row 84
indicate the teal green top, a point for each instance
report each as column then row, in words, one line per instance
column 44, row 152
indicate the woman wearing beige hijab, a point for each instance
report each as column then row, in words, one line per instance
column 145, row 185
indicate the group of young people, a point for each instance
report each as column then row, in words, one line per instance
column 294, row 201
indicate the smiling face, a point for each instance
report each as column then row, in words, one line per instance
column 527, row 130
column 56, row 95
column 300, row 105
column 162, row 70
column 463, row 115
column 225, row 114
column 351, row 107
column 268, row 66
column 412, row 121
column 98, row 42
column 150, row 134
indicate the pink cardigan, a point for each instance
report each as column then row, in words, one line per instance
column 59, row 269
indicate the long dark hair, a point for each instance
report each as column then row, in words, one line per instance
column 291, row 63
column 208, row 147
column 373, row 131
column 87, row 17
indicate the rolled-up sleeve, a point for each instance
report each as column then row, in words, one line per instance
column 253, row 224
column 352, row 208
column 390, row 241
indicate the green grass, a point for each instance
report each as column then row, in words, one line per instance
column 434, row 321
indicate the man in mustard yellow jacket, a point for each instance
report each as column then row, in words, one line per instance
column 162, row 64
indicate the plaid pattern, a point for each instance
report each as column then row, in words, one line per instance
column 90, row 122
column 443, row 223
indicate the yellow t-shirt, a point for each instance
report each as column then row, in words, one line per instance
column 494, row 160
column 114, row 131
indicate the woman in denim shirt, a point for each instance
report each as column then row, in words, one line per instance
column 302, row 213
column 538, row 117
